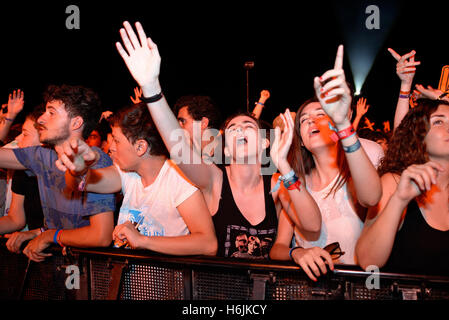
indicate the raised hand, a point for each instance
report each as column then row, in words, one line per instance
column 264, row 95
column 282, row 142
column 405, row 68
column 428, row 92
column 75, row 155
column 137, row 95
column 362, row 107
column 141, row 57
column 416, row 179
column 15, row 103
column 333, row 92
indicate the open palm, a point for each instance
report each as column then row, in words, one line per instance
column 141, row 55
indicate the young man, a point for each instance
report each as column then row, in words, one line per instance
column 161, row 211
column 72, row 218
column 200, row 118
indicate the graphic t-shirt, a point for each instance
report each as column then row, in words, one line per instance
column 153, row 207
column 236, row 236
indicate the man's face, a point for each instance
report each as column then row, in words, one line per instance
column 53, row 125
column 122, row 151
column 185, row 120
column 94, row 139
column 29, row 136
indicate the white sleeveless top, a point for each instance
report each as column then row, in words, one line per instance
column 340, row 223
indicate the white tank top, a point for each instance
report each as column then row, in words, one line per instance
column 340, row 223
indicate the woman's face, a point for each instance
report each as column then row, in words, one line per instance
column 242, row 139
column 437, row 139
column 314, row 127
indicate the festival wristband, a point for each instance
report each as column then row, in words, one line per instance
column 352, row 148
column 55, row 237
column 343, row 134
column 152, row 99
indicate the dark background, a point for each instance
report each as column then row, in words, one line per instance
column 205, row 45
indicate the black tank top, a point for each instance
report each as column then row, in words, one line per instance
column 236, row 236
column 418, row 248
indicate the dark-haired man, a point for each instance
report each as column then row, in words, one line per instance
column 200, row 118
column 72, row 218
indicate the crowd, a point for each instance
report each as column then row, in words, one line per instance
column 318, row 186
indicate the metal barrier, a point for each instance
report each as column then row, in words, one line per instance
column 111, row 274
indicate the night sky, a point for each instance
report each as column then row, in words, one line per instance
column 205, row 45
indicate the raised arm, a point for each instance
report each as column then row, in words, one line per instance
column 264, row 95
column 143, row 61
column 335, row 99
column 405, row 69
column 361, row 109
column 75, row 158
column 296, row 200
column 15, row 105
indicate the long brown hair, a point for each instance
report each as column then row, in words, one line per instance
column 301, row 159
column 407, row 146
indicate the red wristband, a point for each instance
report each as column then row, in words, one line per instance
column 296, row 185
column 58, row 239
column 349, row 131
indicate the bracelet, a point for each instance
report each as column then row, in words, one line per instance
column 289, row 177
column 343, row 134
column 263, row 105
column 404, row 92
column 12, row 120
column 291, row 251
column 55, row 237
column 152, row 99
column 404, row 96
column 82, row 184
column 352, row 148
column 58, row 239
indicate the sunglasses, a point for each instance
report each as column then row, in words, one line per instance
column 334, row 250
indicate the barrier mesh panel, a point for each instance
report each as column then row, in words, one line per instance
column 46, row 280
column 12, row 272
column 221, row 285
column 139, row 282
column 145, row 282
column 100, row 274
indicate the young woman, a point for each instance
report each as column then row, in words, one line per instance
column 408, row 231
column 338, row 175
column 238, row 196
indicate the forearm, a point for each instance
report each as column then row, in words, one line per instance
column 364, row 176
column 403, row 105
column 191, row 244
column 9, row 225
column 82, row 237
column 306, row 214
column 5, row 125
column 280, row 251
column 356, row 122
column 257, row 111
column 376, row 242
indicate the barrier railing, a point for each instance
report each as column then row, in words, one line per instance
column 111, row 274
